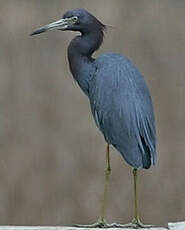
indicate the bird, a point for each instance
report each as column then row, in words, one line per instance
column 119, row 98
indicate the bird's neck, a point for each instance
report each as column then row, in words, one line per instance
column 80, row 58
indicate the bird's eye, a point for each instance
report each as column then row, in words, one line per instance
column 75, row 18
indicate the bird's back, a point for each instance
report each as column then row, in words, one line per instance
column 122, row 109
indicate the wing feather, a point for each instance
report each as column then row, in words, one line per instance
column 122, row 109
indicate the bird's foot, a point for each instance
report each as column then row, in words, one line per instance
column 101, row 223
column 135, row 223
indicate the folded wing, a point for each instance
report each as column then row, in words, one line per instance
column 122, row 109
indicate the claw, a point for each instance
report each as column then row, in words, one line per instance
column 139, row 224
column 101, row 223
column 135, row 223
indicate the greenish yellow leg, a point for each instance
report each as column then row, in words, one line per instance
column 135, row 195
column 107, row 177
column 135, row 223
column 101, row 223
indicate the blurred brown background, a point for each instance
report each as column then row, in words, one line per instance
column 52, row 157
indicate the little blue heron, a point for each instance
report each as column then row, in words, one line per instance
column 119, row 98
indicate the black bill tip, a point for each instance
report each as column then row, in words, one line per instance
column 38, row 31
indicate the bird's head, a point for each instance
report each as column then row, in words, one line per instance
column 75, row 20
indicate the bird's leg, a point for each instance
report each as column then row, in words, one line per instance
column 107, row 177
column 101, row 223
column 136, row 218
column 135, row 223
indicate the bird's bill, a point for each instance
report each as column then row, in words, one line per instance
column 61, row 24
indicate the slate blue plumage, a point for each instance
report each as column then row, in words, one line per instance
column 119, row 98
column 122, row 108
